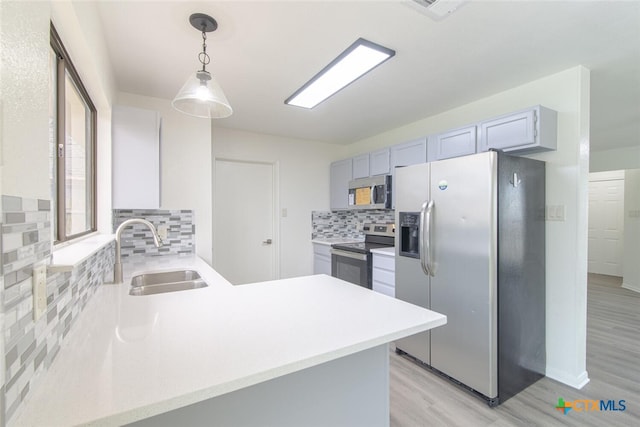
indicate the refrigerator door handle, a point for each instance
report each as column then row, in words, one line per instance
column 424, row 239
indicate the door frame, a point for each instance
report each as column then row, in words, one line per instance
column 276, row 206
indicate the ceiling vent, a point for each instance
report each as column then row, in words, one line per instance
column 436, row 9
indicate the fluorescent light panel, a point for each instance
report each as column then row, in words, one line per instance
column 357, row 60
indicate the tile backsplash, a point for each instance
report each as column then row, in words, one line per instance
column 347, row 223
column 137, row 240
column 31, row 346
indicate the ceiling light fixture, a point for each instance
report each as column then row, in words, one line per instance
column 201, row 95
column 357, row 60
column 436, row 9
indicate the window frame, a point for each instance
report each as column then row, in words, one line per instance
column 64, row 67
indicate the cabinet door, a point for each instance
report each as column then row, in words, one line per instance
column 136, row 158
column 379, row 162
column 383, row 275
column 454, row 143
column 530, row 130
column 406, row 154
column 340, row 175
column 321, row 259
column 361, row 166
column 508, row 131
column 409, row 153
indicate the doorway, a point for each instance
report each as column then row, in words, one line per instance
column 244, row 229
column 606, row 223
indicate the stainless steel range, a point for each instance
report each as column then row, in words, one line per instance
column 352, row 261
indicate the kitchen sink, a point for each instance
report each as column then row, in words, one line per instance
column 166, row 281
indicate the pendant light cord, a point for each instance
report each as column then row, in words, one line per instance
column 203, row 57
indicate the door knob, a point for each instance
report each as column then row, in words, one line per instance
column 267, row 242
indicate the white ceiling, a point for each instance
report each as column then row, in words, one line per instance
column 264, row 50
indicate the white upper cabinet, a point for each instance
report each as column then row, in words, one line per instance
column 406, row 154
column 371, row 164
column 530, row 130
column 409, row 153
column 136, row 158
column 361, row 166
column 454, row 143
column 340, row 174
column 520, row 132
column 379, row 162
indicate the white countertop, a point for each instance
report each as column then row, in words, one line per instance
column 131, row 357
column 390, row 251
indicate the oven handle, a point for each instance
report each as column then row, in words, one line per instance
column 353, row 255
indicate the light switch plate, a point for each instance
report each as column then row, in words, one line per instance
column 555, row 213
column 39, row 291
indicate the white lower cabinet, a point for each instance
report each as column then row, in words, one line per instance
column 321, row 259
column 384, row 273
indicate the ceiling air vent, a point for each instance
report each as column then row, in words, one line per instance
column 436, row 9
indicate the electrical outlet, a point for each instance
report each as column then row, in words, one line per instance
column 39, row 291
column 163, row 232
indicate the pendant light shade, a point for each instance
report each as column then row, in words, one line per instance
column 201, row 95
column 202, row 98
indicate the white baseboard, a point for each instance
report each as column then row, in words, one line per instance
column 631, row 287
column 576, row 382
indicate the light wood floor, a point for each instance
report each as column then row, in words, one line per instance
column 420, row 398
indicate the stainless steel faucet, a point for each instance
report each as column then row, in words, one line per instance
column 117, row 267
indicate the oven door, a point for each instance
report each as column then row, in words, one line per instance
column 352, row 267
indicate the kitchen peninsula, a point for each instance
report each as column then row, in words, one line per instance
column 302, row 351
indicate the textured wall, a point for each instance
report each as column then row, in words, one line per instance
column 24, row 71
column 346, row 223
column 137, row 239
column 30, row 346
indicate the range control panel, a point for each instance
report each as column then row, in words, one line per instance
column 379, row 229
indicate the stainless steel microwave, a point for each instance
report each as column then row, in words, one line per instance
column 370, row 193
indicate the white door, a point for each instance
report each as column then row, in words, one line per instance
column 606, row 223
column 244, row 244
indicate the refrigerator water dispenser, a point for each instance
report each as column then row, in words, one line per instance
column 409, row 234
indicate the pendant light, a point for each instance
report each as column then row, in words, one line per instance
column 201, row 95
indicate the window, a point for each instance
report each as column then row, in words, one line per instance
column 73, row 148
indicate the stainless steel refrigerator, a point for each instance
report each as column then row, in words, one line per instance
column 471, row 244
